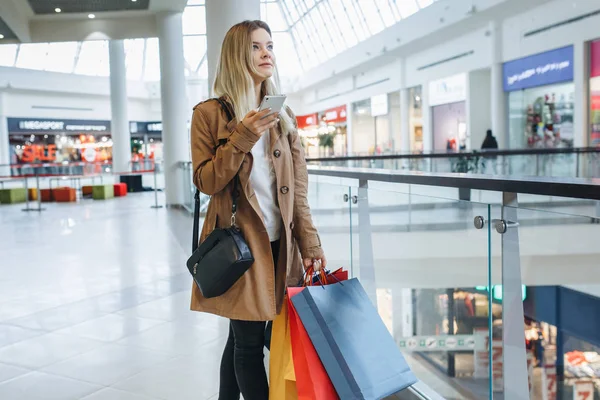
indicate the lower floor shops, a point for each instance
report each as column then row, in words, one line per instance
column 560, row 330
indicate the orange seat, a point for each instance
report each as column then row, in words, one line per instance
column 32, row 193
column 46, row 195
column 86, row 190
column 64, row 195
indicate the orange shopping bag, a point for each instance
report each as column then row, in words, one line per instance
column 312, row 381
column 282, row 379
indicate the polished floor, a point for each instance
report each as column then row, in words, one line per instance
column 94, row 305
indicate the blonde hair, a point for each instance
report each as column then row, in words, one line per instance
column 234, row 73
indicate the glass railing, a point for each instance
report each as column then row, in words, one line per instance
column 487, row 297
column 578, row 162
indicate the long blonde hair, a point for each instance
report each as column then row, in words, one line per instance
column 234, row 73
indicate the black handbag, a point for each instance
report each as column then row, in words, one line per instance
column 224, row 256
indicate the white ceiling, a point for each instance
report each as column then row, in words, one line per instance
column 20, row 18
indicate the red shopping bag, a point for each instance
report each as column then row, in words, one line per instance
column 312, row 381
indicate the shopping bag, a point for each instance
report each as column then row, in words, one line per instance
column 356, row 349
column 282, row 384
column 312, row 381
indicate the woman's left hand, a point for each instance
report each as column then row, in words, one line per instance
column 317, row 263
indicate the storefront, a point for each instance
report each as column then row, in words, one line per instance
column 540, row 99
column 595, row 93
column 447, row 99
column 415, row 119
column 58, row 141
column 54, row 141
column 324, row 134
column 146, row 141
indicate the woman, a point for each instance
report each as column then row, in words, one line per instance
column 273, row 213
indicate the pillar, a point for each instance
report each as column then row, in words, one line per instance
column 581, row 78
column 220, row 16
column 4, row 146
column 174, row 102
column 118, row 106
column 405, row 121
column 427, row 128
column 497, row 96
column 349, row 132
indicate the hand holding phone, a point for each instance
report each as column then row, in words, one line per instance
column 274, row 102
column 259, row 122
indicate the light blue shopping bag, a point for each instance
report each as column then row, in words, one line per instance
column 356, row 349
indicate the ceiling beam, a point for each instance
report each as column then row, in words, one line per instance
column 16, row 14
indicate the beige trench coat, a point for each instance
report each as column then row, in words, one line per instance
column 257, row 296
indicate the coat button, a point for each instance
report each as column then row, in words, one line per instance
column 277, row 153
column 284, row 189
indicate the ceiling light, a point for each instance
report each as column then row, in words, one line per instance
column 57, row 10
column 133, row 1
column 1, row 36
column 91, row 16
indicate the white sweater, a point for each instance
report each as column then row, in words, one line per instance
column 264, row 182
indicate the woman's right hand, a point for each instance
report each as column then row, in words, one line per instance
column 257, row 121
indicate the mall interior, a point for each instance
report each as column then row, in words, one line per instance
column 477, row 257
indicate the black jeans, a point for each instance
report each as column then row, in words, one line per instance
column 242, row 364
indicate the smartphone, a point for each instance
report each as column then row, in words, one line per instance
column 274, row 102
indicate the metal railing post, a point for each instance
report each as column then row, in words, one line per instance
column 156, row 205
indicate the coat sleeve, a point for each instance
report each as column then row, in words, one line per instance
column 304, row 230
column 214, row 167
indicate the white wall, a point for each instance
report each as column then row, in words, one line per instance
column 36, row 104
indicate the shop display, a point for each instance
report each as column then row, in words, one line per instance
column 541, row 99
column 550, row 121
column 324, row 134
column 447, row 97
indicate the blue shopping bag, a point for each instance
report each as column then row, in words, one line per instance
column 356, row 349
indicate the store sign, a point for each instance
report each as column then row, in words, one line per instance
column 304, row 121
column 379, row 105
column 336, row 115
column 18, row 125
column 481, row 357
column 145, row 127
column 38, row 153
column 595, row 59
column 497, row 366
column 442, row 343
column 539, row 69
column 549, row 382
column 583, row 390
column 449, row 90
column 497, row 292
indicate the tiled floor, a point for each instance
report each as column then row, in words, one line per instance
column 94, row 305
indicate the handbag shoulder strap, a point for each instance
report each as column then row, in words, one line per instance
column 235, row 194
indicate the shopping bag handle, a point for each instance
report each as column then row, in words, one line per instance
column 321, row 276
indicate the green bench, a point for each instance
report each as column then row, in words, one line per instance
column 13, row 196
column 103, row 192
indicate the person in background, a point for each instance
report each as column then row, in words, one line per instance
column 489, row 143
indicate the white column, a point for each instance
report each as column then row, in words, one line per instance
column 349, row 133
column 175, row 111
column 404, row 120
column 498, row 97
column 427, row 129
column 220, row 16
column 4, row 146
column 118, row 106
column 581, row 78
